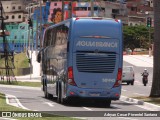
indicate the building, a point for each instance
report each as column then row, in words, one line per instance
column 138, row 11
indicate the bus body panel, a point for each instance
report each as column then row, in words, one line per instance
column 94, row 51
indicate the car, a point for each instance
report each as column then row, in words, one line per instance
column 128, row 75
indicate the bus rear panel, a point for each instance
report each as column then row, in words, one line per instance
column 95, row 59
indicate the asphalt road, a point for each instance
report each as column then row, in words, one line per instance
column 138, row 89
column 33, row 99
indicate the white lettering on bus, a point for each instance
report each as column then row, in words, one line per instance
column 97, row 44
column 108, row 80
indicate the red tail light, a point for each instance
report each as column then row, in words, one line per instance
column 77, row 18
column 116, row 20
column 119, row 77
column 70, row 77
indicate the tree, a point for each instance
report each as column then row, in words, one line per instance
column 155, row 90
column 136, row 37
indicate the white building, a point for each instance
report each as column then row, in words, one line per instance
column 14, row 11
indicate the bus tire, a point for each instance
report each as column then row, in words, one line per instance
column 46, row 94
column 59, row 96
column 108, row 103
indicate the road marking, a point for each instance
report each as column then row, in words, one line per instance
column 50, row 104
column 124, row 90
column 139, row 94
column 13, row 91
column 15, row 103
column 127, row 118
column 87, row 108
column 7, row 118
column 145, row 108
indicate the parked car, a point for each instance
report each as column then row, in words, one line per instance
column 128, row 75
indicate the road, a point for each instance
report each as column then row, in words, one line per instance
column 138, row 89
column 33, row 99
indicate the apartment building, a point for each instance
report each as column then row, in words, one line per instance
column 138, row 11
column 14, row 11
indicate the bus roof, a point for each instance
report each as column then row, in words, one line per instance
column 109, row 27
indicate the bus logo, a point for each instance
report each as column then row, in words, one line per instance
column 97, row 44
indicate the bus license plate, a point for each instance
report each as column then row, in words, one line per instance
column 95, row 94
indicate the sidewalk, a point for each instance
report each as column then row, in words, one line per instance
column 29, row 78
column 139, row 60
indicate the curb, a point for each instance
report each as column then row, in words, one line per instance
column 147, row 105
column 21, row 87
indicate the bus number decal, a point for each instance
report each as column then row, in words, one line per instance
column 108, row 80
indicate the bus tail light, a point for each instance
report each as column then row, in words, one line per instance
column 70, row 76
column 119, row 78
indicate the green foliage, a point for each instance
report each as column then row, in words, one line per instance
column 20, row 61
column 137, row 36
column 19, row 83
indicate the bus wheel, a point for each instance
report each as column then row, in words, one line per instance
column 59, row 96
column 108, row 103
column 46, row 94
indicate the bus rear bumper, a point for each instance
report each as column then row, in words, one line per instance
column 110, row 94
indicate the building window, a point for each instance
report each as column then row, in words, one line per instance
column 15, row 37
column 13, row 8
column 115, row 11
column 19, row 7
column 55, row 4
column 19, row 16
column 80, row 8
column 7, row 17
column 7, row 7
column 13, row 16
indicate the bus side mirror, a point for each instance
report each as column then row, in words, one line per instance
column 39, row 57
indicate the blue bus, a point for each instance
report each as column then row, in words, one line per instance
column 82, row 57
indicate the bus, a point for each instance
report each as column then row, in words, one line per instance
column 82, row 58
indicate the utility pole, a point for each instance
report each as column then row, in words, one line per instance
column 40, row 25
column 8, row 55
column 37, row 33
column 70, row 9
column 62, row 10
column 92, row 8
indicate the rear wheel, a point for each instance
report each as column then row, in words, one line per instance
column 46, row 94
column 108, row 103
column 59, row 94
column 127, row 83
column 132, row 83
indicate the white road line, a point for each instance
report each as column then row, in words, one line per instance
column 145, row 108
column 16, row 103
column 7, row 118
column 139, row 94
column 124, row 90
column 127, row 118
column 50, row 104
column 87, row 108
column 13, row 91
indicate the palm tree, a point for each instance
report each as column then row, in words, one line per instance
column 155, row 90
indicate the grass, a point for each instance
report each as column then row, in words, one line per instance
column 5, row 107
column 19, row 83
column 20, row 61
column 148, row 99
